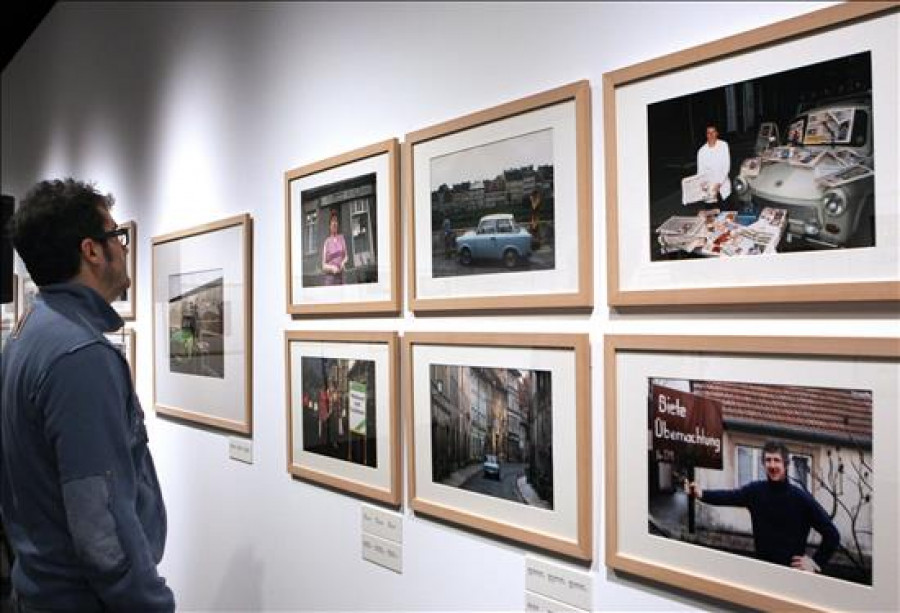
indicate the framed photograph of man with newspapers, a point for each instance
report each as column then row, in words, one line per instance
column 758, row 168
column 757, row 470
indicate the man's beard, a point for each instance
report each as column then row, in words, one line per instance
column 118, row 282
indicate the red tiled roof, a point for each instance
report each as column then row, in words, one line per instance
column 818, row 411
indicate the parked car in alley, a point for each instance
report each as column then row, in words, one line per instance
column 822, row 173
column 491, row 467
column 497, row 237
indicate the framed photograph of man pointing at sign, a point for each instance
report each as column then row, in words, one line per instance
column 762, row 471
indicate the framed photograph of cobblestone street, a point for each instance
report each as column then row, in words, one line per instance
column 758, row 470
column 759, row 168
column 500, row 207
column 341, row 223
column 202, row 324
column 498, row 430
column 342, row 411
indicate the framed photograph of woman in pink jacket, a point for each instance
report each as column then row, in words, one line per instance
column 341, row 216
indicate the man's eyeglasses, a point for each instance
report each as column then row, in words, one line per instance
column 119, row 233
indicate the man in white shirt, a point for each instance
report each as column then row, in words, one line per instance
column 714, row 162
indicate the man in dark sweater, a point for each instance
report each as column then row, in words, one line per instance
column 781, row 514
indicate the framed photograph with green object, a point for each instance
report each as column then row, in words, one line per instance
column 342, row 411
column 202, row 324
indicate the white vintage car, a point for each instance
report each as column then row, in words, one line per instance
column 822, row 174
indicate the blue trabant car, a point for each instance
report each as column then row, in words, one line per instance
column 497, row 237
column 491, row 467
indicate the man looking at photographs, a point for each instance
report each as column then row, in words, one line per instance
column 781, row 514
column 714, row 162
column 80, row 499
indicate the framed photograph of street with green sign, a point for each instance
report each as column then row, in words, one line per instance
column 758, row 470
column 342, row 411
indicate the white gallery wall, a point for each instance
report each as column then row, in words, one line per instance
column 190, row 113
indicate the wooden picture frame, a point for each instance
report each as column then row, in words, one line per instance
column 10, row 311
column 28, row 290
column 202, row 363
column 464, row 179
column 357, row 372
column 359, row 190
column 123, row 340
column 831, row 401
column 503, row 408
column 125, row 306
column 833, row 238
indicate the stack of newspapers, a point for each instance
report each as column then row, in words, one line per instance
column 728, row 238
column 715, row 234
column 682, row 233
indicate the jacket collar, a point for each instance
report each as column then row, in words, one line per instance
column 90, row 304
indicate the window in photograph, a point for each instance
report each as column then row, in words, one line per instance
column 309, row 238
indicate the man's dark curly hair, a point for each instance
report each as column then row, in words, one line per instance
column 50, row 223
column 774, row 446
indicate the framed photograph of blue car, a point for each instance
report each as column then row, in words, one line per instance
column 342, row 411
column 758, row 470
column 498, row 430
column 499, row 207
column 202, row 325
column 753, row 166
column 341, row 228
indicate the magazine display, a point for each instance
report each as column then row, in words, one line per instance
column 713, row 233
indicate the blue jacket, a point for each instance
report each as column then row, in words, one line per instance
column 80, row 499
column 782, row 515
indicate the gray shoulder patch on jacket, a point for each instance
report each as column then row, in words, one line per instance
column 92, row 524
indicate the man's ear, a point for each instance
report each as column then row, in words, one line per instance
column 91, row 251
